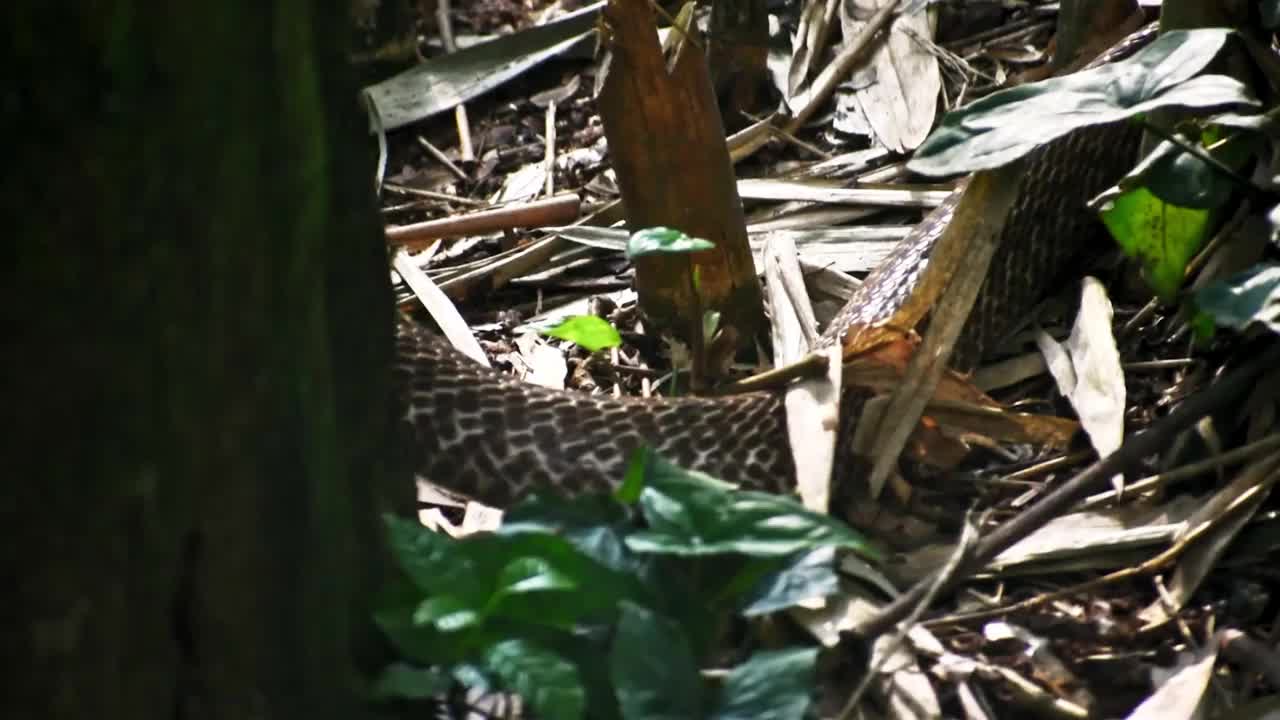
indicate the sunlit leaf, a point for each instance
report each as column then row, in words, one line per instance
column 589, row 331
column 1006, row 125
column 664, row 240
column 441, row 83
column 1163, row 237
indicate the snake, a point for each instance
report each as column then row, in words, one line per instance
column 493, row 438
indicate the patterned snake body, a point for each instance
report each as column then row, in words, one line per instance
column 494, row 439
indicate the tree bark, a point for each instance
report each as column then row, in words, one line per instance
column 199, row 328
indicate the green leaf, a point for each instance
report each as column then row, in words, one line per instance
column 664, row 240
column 774, row 684
column 400, row 681
column 633, row 480
column 653, row 668
column 1179, row 178
column 548, row 682
column 432, row 561
column 588, row 331
column 690, row 513
column 397, row 606
column 447, row 613
column 1163, row 237
column 596, row 528
column 808, row 575
column 514, row 575
column 532, row 574
column 1248, row 297
column 1006, row 125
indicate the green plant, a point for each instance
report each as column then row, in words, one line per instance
column 609, row 606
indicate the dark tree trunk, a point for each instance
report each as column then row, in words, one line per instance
column 199, row 329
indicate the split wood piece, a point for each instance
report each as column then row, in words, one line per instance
column 559, row 210
column 666, row 140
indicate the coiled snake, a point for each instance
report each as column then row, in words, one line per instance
column 493, row 438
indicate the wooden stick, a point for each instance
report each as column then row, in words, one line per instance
column 559, row 210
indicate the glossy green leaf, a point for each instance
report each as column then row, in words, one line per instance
column 431, row 560
column 1249, row 297
column 400, row 681
column 588, row 331
column 653, row 668
column 1180, row 178
column 690, row 513
column 776, row 684
column 533, row 574
column 1161, row 236
column 664, row 240
column 808, row 575
column 1006, row 125
column 548, row 682
column 532, row 577
column 447, row 613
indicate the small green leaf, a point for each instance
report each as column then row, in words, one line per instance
column 664, row 240
column 400, row 681
column 548, row 682
column 710, row 324
column 633, row 480
column 690, row 513
column 1006, row 125
column 653, row 669
column 809, row 575
column 775, row 684
column 1248, row 297
column 1163, row 237
column 588, row 331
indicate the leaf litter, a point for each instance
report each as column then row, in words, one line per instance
column 1115, row 639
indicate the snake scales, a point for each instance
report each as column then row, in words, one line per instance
column 493, row 438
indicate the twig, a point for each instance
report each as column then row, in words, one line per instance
column 1141, row 445
column 811, row 365
column 559, row 210
column 440, row 157
column 956, row 561
column 1231, row 457
column 549, row 158
column 444, row 20
column 1150, row 565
